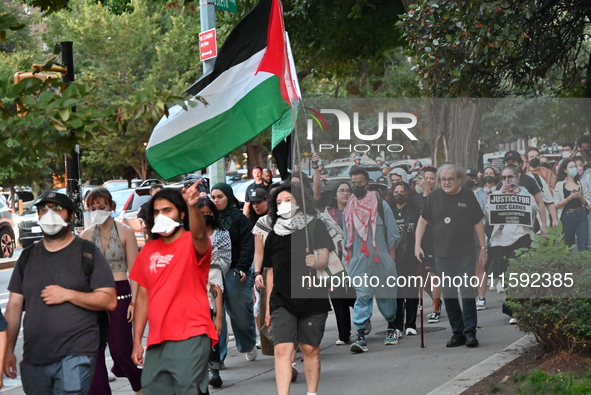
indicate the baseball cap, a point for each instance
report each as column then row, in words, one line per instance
column 57, row 198
column 471, row 173
column 258, row 195
column 513, row 155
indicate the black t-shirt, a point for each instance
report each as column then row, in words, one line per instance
column 287, row 256
column 453, row 218
column 406, row 220
column 253, row 186
column 527, row 182
column 52, row 332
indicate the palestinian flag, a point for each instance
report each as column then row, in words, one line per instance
column 248, row 90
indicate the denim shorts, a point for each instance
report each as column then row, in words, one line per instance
column 72, row 375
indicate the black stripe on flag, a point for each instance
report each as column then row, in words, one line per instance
column 246, row 39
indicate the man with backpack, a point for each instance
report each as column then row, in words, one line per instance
column 63, row 285
column 370, row 237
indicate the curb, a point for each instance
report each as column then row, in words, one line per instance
column 476, row 373
column 7, row 263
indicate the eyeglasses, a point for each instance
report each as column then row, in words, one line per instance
column 344, row 191
column 507, row 178
column 42, row 210
column 359, row 184
column 446, row 180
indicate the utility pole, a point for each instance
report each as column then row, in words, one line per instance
column 72, row 161
column 217, row 170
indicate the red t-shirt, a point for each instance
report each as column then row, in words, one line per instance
column 176, row 282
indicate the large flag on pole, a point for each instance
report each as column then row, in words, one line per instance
column 248, row 90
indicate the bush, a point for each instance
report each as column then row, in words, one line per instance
column 556, row 312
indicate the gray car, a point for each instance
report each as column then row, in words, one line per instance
column 6, row 232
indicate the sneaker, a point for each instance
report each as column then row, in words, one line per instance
column 391, row 337
column 481, row 304
column 368, row 328
column 340, row 342
column 470, row 339
column 398, row 333
column 360, row 346
column 500, row 289
column 252, row 354
column 434, row 317
column 216, row 382
column 456, row 340
column 294, row 372
column 258, row 343
column 411, row 331
column 512, row 321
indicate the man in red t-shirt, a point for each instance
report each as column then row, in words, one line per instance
column 172, row 271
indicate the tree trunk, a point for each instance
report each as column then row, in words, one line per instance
column 455, row 128
column 255, row 157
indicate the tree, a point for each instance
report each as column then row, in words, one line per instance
column 497, row 48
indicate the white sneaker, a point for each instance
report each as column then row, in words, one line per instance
column 411, row 331
column 512, row 321
column 339, row 342
column 481, row 304
column 252, row 354
column 500, row 289
column 398, row 333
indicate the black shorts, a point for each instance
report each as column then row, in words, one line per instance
column 287, row 328
column 429, row 265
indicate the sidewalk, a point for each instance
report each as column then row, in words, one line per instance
column 402, row 368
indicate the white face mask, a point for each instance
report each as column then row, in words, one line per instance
column 164, row 225
column 566, row 154
column 51, row 223
column 98, row 217
column 286, row 210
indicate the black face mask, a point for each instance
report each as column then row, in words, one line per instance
column 489, row 179
column 359, row 192
column 209, row 220
column 400, row 198
column 535, row 162
column 469, row 184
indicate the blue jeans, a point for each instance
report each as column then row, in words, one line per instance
column 575, row 224
column 461, row 321
column 72, row 375
column 363, row 309
column 239, row 305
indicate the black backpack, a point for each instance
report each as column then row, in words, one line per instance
column 88, row 266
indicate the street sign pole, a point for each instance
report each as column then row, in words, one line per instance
column 72, row 161
column 216, row 171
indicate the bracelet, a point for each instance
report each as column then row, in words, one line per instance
column 131, row 304
column 315, row 167
column 257, row 274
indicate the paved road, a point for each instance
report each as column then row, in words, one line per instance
column 400, row 369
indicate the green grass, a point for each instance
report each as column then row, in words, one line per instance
column 539, row 382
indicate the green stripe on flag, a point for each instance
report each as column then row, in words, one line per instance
column 203, row 144
column 284, row 126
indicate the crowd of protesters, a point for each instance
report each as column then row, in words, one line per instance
column 206, row 257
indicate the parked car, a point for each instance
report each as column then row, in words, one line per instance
column 129, row 211
column 120, row 197
column 339, row 171
column 29, row 230
column 239, row 188
column 116, row 185
column 6, row 232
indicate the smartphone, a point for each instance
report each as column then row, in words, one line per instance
column 512, row 186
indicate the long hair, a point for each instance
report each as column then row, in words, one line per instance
column 174, row 196
column 411, row 202
column 296, row 192
column 561, row 171
column 206, row 202
column 332, row 201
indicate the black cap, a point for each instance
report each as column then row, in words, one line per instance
column 57, row 198
column 471, row 173
column 258, row 195
column 513, row 155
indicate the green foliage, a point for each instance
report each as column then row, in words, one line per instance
column 37, row 123
column 557, row 312
column 494, row 48
column 540, row 382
